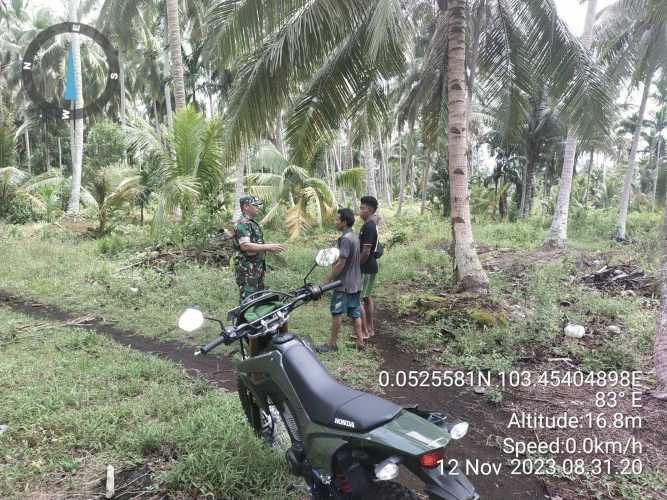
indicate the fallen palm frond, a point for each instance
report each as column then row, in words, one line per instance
column 622, row 278
column 83, row 320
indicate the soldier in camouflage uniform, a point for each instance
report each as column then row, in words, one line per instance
column 250, row 263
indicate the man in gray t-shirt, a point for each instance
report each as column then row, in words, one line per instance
column 345, row 298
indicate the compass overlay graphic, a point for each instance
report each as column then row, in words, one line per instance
column 51, row 108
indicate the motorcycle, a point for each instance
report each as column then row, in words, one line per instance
column 345, row 443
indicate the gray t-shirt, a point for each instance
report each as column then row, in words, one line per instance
column 348, row 244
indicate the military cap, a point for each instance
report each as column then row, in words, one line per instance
column 250, row 200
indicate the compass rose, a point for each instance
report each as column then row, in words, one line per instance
column 37, row 48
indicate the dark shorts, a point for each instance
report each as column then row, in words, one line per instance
column 349, row 303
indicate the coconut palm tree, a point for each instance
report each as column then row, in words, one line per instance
column 127, row 36
column 468, row 268
column 307, row 200
column 112, row 187
column 174, row 30
column 557, row 237
column 15, row 183
column 360, row 43
column 632, row 39
column 187, row 158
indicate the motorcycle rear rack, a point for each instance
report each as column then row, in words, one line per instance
column 435, row 417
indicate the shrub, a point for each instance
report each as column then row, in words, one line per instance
column 112, row 244
column 20, row 211
column 105, row 145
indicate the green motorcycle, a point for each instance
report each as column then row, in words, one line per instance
column 345, row 443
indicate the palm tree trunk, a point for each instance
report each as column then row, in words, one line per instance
column 385, row 171
column 588, row 178
column 238, row 185
column 657, row 170
column 167, row 100
column 369, row 169
column 660, row 355
column 557, row 237
column 167, row 90
column 630, row 172
column 157, row 118
column 331, row 173
column 401, row 169
column 26, row 136
column 350, row 152
column 427, row 174
column 527, row 191
column 174, row 31
column 47, row 155
column 123, row 98
column 468, row 270
column 413, row 172
column 77, row 125
column 280, row 136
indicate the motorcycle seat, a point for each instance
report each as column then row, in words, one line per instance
column 326, row 401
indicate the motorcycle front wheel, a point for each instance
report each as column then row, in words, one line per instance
column 269, row 424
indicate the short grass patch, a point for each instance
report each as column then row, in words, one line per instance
column 74, row 401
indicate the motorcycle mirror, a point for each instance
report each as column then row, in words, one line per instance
column 327, row 256
column 191, row 320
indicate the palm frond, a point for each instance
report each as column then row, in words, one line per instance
column 127, row 190
column 352, row 178
column 558, row 57
column 12, row 176
column 271, row 215
column 289, row 54
column 298, row 220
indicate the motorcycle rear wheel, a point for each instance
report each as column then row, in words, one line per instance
column 390, row 490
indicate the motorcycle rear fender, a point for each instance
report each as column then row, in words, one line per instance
column 410, row 434
column 407, row 436
column 445, row 485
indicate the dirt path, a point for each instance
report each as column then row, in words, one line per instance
column 485, row 422
column 219, row 371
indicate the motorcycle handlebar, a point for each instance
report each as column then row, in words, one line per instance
column 314, row 292
column 212, row 345
column 330, row 286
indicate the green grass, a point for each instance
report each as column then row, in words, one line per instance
column 75, row 420
column 75, row 401
column 82, row 275
column 51, row 265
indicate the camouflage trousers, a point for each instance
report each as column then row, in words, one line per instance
column 249, row 278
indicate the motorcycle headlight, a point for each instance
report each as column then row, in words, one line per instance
column 458, row 430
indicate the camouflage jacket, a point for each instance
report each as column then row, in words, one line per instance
column 248, row 231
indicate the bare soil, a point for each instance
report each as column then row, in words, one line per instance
column 485, row 419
